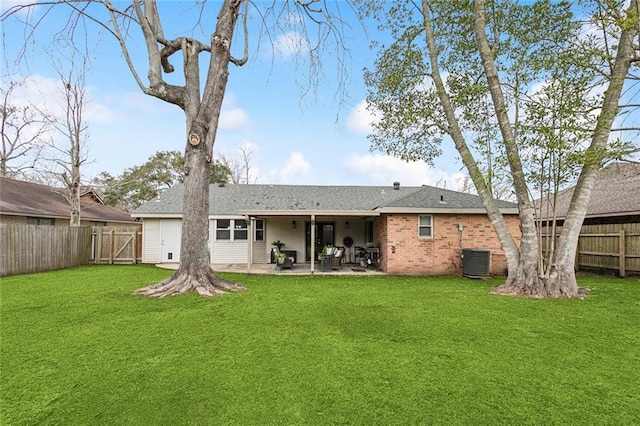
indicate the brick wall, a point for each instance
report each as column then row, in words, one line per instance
column 403, row 252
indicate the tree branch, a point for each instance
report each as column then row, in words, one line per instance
column 245, row 58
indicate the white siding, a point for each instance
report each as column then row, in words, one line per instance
column 229, row 252
column 280, row 229
column 261, row 253
column 151, row 241
column 226, row 251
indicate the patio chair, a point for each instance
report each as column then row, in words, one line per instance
column 336, row 257
column 282, row 260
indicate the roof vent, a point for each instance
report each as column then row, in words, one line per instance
column 221, row 183
column 442, row 201
column 396, row 185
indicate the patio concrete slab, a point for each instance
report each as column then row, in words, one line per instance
column 297, row 269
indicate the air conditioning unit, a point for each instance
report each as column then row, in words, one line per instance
column 475, row 263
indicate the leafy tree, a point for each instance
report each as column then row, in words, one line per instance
column 199, row 92
column 467, row 70
column 141, row 183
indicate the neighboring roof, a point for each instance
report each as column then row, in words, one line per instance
column 616, row 192
column 18, row 198
column 90, row 194
column 232, row 199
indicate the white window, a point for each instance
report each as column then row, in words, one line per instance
column 240, row 229
column 425, row 227
column 223, row 229
column 259, row 230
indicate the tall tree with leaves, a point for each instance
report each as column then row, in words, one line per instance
column 449, row 59
column 141, row 183
column 199, row 95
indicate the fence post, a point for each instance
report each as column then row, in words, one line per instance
column 576, row 261
column 99, row 248
column 623, row 254
column 135, row 247
column 111, row 246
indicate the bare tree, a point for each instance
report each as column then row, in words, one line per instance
column 72, row 126
column 241, row 169
column 24, row 130
column 199, row 96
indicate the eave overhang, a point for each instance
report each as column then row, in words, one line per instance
column 308, row 213
column 440, row 210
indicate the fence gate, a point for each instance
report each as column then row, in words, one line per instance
column 116, row 245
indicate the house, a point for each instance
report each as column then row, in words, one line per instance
column 31, row 203
column 615, row 198
column 404, row 230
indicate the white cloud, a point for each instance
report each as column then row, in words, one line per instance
column 5, row 5
column 384, row 170
column 360, row 119
column 36, row 90
column 46, row 94
column 290, row 44
column 293, row 167
column 232, row 117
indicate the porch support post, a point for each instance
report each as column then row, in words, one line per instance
column 313, row 242
column 250, row 223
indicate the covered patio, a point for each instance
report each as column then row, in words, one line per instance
column 306, row 234
column 272, row 269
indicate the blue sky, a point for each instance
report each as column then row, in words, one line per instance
column 297, row 138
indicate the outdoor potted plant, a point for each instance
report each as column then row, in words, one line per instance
column 278, row 244
column 280, row 258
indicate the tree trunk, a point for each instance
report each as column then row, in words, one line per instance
column 74, row 202
column 527, row 282
column 559, row 279
column 194, row 272
column 488, row 200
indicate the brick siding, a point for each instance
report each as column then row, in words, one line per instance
column 402, row 252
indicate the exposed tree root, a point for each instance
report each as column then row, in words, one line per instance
column 201, row 280
column 511, row 290
column 542, row 289
column 557, row 284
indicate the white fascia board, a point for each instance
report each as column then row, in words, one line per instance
column 307, row 213
column 226, row 216
column 441, row 210
column 158, row 215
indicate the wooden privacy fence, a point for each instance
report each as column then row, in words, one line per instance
column 609, row 248
column 30, row 248
column 116, row 245
column 26, row 249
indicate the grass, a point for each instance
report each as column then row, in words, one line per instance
column 77, row 348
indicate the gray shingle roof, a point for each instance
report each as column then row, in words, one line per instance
column 438, row 198
column 231, row 199
column 616, row 192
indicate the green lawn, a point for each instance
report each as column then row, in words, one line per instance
column 77, row 348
